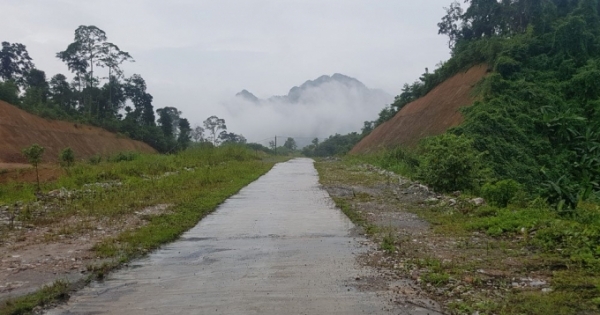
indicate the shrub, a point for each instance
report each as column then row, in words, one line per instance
column 123, row 156
column 67, row 157
column 96, row 159
column 500, row 193
column 450, row 163
column 33, row 154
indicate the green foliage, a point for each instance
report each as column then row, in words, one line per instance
column 90, row 98
column 334, row 145
column 95, row 159
column 9, row 92
column 500, row 193
column 290, row 144
column 122, row 157
column 67, row 157
column 436, row 279
column 49, row 294
column 34, row 154
column 449, row 163
column 194, row 182
column 388, row 243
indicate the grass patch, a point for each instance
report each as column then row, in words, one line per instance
column 58, row 291
column 195, row 182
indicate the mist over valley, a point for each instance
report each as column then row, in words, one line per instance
column 315, row 109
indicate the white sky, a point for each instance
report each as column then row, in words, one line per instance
column 193, row 54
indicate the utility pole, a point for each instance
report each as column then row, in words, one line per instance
column 275, row 145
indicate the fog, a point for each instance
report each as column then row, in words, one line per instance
column 315, row 109
column 196, row 55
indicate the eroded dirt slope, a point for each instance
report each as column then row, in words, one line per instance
column 430, row 115
column 19, row 129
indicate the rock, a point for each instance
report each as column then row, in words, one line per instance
column 537, row 283
column 452, row 202
column 478, row 201
column 456, row 193
column 432, row 200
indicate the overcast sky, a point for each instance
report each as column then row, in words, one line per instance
column 193, row 53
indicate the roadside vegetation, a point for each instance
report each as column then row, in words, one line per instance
column 530, row 146
column 510, row 255
column 185, row 187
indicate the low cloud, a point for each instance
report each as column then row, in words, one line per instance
column 315, row 109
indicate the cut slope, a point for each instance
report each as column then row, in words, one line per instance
column 430, row 115
column 19, row 129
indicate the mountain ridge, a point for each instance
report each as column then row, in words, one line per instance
column 299, row 93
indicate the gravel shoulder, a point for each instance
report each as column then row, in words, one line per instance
column 416, row 254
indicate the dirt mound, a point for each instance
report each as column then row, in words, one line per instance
column 19, row 129
column 430, row 115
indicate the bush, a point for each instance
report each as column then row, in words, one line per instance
column 450, row 163
column 96, row 159
column 500, row 193
column 123, row 156
column 67, row 157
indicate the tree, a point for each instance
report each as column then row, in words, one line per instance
column 484, row 18
column 449, row 24
column 231, row 137
column 290, row 143
column 112, row 58
column 198, row 134
column 183, row 139
column 169, row 121
column 135, row 90
column 14, row 62
column 88, row 49
column 214, row 126
column 9, row 92
column 35, row 80
column 33, row 154
column 368, row 126
column 315, row 141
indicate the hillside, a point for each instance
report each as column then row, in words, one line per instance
column 19, row 129
column 430, row 115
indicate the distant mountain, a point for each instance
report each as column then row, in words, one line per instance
column 325, row 87
column 247, row 96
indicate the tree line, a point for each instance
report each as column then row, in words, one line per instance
column 537, row 120
column 108, row 99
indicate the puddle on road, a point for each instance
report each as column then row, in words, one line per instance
column 278, row 246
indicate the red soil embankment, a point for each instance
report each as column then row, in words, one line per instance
column 430, row 115
column 19, row 129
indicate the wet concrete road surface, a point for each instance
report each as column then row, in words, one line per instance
column 277, row 247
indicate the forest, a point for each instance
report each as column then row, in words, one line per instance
column 107, row 99
column 537, row 118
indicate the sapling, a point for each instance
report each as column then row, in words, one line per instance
column 33, row 154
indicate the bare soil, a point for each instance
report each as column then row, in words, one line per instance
column 25, row 173
column 19, row 129
column 33, row 256
column 430, row 115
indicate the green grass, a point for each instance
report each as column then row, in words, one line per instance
column 194, row 182
column 560, row 246
column 59, row 291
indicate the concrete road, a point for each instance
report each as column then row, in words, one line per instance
column 277, row 247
